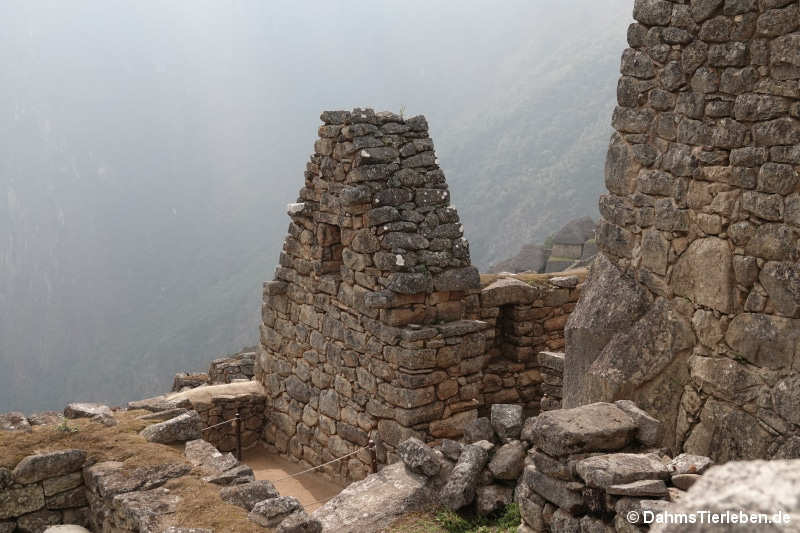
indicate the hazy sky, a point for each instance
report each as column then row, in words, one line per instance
column 148, row 150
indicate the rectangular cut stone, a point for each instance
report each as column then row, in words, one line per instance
column 16, row 502
column 62, row 483
column 564, row 494
column 602, row 471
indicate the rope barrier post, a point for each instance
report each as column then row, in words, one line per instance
column 373, row 455
column 238, row 422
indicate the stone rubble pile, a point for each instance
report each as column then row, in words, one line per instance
column 570, row 470
column 267, row 508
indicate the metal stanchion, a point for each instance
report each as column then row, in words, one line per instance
column 373, row 455
column 238, row 423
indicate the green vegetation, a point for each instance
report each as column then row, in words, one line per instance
column 64, row 427
column 446, row 521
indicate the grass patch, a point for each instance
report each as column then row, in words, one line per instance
column 200, row 504
column 534, row 278
column 118, row 443
column 446, row 521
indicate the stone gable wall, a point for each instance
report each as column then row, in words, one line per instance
column 692, row 307
column 375, row 326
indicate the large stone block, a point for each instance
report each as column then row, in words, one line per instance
column 181, row 428
column 589, row 428
column 602, row 471
column 460, row 487
column 47, row 465
column 704, row 274
column 17, row 502
column 764, row 340
column 587, row 331
column 564, row 494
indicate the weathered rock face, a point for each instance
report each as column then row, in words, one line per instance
column 375, row 502
column 181, row 428
column 756, row 487
column 691, row 307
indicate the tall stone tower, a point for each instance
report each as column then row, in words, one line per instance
column 693, row 307
column 362, row 333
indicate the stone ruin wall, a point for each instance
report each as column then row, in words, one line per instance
column 375, row 326
column 692, row 309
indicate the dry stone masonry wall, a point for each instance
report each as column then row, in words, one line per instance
column 692, row 307
column 375, row 326
column 219, row 408
column 43, row 490
column 592, row 468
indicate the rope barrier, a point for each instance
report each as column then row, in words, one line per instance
column 221, row 423
column 319, row 502
column 320, row 466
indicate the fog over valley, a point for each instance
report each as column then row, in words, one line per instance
column 148, row 151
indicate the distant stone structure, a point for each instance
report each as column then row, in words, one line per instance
column 573, row 246
column 573, row 243
column 376, row 326
column 692, row 308
column 236, row 367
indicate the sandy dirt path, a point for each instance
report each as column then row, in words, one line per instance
column 311, row 489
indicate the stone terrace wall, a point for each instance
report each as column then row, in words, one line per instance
column 375, row 326
column 692, row 309
column 43, row 490
column 251, row 408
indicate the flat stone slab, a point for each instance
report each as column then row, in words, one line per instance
column 588, row 428
column 163, row 415
column 181, row 428
column 552, row 360
column 206, row 393
column 646, row 488
column 41, row 466
column 205, row 455
column 376, row 501
column 602, row 471
column 67, row 528
column 86, row 410
column 110, row 478
column 158, row 404
column 506, row 291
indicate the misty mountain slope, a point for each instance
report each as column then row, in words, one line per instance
column 530, row 157
column 148, row 151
